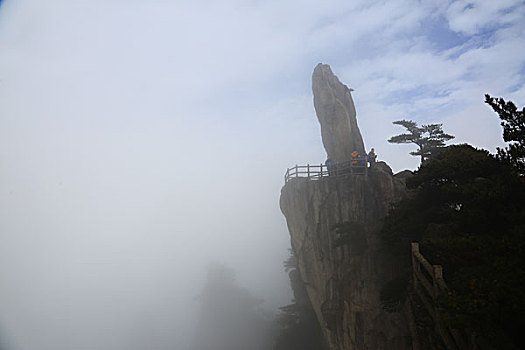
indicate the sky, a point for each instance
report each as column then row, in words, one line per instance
column 142, row 140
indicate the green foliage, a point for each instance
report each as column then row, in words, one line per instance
column 513, row 122
column 291, row 262
column 467, row 212
column 430, row 138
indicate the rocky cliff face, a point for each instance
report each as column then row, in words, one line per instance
column 344, row 275
column 336, row 113
column 344, row 281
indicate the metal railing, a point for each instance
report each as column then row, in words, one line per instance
column 323, row 171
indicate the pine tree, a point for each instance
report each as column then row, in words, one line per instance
column 429, row 138
column 513, row 122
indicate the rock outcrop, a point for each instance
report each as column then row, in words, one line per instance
column 344, row 282
column 336, row 113
column 344, row 275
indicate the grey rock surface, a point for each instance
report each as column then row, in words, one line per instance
column 343, row 282
column 337, row 115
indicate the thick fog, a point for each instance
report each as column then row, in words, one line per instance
column 141, row 141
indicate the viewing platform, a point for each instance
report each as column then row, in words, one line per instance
column 323, row 171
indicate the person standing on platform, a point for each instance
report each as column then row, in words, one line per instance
column 372, row 157
column 330, row 166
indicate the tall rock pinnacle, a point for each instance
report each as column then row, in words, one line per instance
column 336, row 113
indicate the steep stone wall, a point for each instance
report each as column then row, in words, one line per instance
column 343, row 282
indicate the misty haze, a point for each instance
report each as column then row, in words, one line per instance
column 180, row 174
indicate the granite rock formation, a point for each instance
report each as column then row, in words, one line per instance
column 344, row 282
column 343, row 278
column 336, row 113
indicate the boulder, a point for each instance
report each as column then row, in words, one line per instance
column 336, row 113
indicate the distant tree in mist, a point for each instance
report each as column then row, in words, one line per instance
column 231, row 318
column 298, row 325
column 430, row 138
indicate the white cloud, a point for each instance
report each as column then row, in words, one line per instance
column 474, row 16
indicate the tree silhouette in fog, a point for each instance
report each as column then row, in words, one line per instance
column 231, row 318
column 298, row 325
column 429, row 138
column 513, row 123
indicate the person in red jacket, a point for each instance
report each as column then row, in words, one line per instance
column 354, row 157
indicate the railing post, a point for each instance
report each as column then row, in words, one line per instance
column 415, row 262
column 308, row 170
column 296, row 170
column 438, row 272
column 438, row 275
